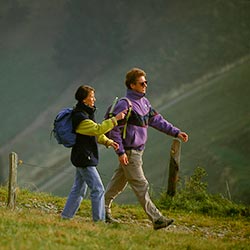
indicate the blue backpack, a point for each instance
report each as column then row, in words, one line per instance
column 63, row 130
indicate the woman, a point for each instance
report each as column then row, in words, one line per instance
column 84, row 154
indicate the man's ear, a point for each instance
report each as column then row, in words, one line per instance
column 132, row 85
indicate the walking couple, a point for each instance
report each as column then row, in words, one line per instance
column 129, row 149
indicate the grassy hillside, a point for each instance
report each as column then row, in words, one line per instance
column 36, row 224
column 48, row 47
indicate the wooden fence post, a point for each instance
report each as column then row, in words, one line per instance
column 12, row 180
column 174, row 165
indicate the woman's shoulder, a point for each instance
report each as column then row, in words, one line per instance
column 79, row 116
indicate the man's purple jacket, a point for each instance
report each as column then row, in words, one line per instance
column 142, row 116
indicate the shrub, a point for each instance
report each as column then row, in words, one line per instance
column 194, row 197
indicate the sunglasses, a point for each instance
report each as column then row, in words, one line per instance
column 143, row 83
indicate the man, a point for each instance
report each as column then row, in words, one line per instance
column 131, row 147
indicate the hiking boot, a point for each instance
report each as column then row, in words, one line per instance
column 110, row 219
column 162, row 222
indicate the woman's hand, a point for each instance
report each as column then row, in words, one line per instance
column 121, row 115
column 114, row 145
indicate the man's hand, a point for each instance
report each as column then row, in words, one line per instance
column 183, row 136
column 123, row 159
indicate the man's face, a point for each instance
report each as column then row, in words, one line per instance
column 140, row 85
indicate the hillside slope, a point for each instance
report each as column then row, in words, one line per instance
column 47, row 48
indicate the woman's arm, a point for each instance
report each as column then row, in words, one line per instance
column 89, row 127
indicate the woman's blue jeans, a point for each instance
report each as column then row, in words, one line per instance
column 87, row 176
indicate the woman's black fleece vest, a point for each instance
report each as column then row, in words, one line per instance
column 85, row 151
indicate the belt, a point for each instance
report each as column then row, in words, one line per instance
column 131, row 148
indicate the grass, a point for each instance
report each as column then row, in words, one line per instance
column 36, row 224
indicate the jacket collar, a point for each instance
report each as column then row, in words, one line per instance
column 86, row 108
column 134, row 94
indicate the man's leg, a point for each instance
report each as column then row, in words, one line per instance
column 137, row 180
column 116, row 185
column 135, row 176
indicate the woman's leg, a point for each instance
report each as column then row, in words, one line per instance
column 94, row 182
column 75, row 197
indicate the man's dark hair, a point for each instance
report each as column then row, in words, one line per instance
column 132, row 76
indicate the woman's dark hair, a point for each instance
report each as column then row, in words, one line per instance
column 132, row 76
column 82, row 92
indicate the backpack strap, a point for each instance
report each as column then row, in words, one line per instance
column 127, row 116
column 110, row 114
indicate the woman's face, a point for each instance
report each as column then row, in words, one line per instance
column 90, row 99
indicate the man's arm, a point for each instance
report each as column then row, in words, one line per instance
column 161, row 124
column 158, row 122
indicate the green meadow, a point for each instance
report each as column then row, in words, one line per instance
column 202, row 221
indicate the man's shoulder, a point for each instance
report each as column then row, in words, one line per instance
column 146, row 102
column 125, row 102
column 125, row 99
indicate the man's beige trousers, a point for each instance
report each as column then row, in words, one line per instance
column 134, row 175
